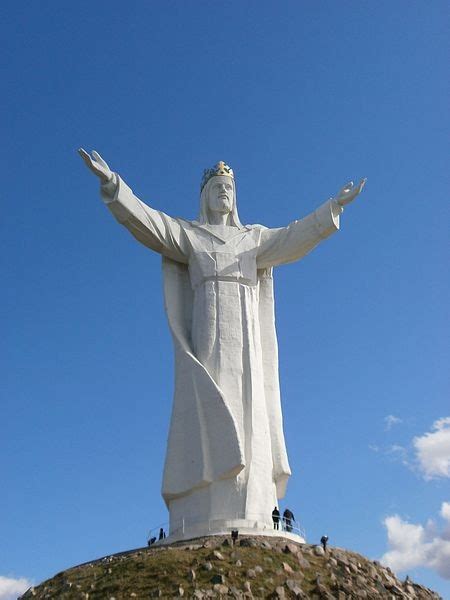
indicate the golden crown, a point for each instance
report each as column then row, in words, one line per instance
column 219, row 169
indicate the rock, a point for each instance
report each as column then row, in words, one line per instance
column 192, row 575
column 239, row 563
column 218, row 555
column 291, row 584
column 207, row 566
column 324, row 592
column 353, row 568
column 341, row 557
column 198, row 594
column 287, row 568
column 266, row 545
column 258, row 569
column 218, row 578
column 396, row 590
column 247, row 586
column 248, row 543
column 251, row 573
column 220, row 588
column 303, row 562
column 319, row 551
column 236, row 593
column 279, row 592
column 372, row 572
column 333, row 562
column 291, row 549
column 180, row 591
column 390, row 581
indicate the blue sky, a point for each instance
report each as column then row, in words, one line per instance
column 298, row 97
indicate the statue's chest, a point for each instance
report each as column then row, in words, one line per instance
column 232, row 259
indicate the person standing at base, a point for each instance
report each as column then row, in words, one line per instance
column 276, row 518
column 288, row 517
column 324, row 541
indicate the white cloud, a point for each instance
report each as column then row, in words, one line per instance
column 391, row 420
column 10, row 588
column 445, row 511
column 433, row 450
column 414, row 545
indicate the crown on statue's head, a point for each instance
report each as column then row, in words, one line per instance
column 219, row 169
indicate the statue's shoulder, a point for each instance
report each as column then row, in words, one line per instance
column 257, row 226
column 184, row 222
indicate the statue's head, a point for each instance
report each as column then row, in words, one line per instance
column 218, row 194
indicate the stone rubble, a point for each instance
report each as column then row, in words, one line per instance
column 256, row 567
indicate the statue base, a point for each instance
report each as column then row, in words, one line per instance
column 244, row 527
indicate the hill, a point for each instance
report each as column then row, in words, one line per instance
column 256, row 567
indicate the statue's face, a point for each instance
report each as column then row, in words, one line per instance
column 221, row 194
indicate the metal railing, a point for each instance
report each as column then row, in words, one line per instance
column 258, row 522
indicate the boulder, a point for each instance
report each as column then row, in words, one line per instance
column 319, row 551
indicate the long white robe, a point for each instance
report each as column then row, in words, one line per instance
column 226, row 455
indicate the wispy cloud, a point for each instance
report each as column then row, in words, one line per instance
column 414, row 545
column 399, row 454
column 10, row 588
column 390, row 421
column 433, row 450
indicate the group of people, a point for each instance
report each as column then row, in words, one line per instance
column 161, row 536
column 287, row 519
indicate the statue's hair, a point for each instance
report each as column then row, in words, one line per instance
column 233, row 217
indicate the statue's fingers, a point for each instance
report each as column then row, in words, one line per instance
column 347, row 187
column 99, row 159
column 85, row 156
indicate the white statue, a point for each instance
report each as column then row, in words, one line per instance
column 226, row 462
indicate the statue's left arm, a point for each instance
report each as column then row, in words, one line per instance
column 287, row 244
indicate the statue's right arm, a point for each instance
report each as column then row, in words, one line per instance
column 153, row 228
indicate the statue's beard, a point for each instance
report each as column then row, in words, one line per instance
column 224, row 205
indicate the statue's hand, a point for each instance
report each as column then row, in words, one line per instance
column 349, row 192
column 97, row 165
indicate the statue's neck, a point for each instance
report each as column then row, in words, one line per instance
column 217, row 218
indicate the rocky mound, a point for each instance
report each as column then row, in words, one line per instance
column 256, row 567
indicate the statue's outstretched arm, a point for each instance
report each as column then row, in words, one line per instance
column 287, row 244
column 151, row 227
